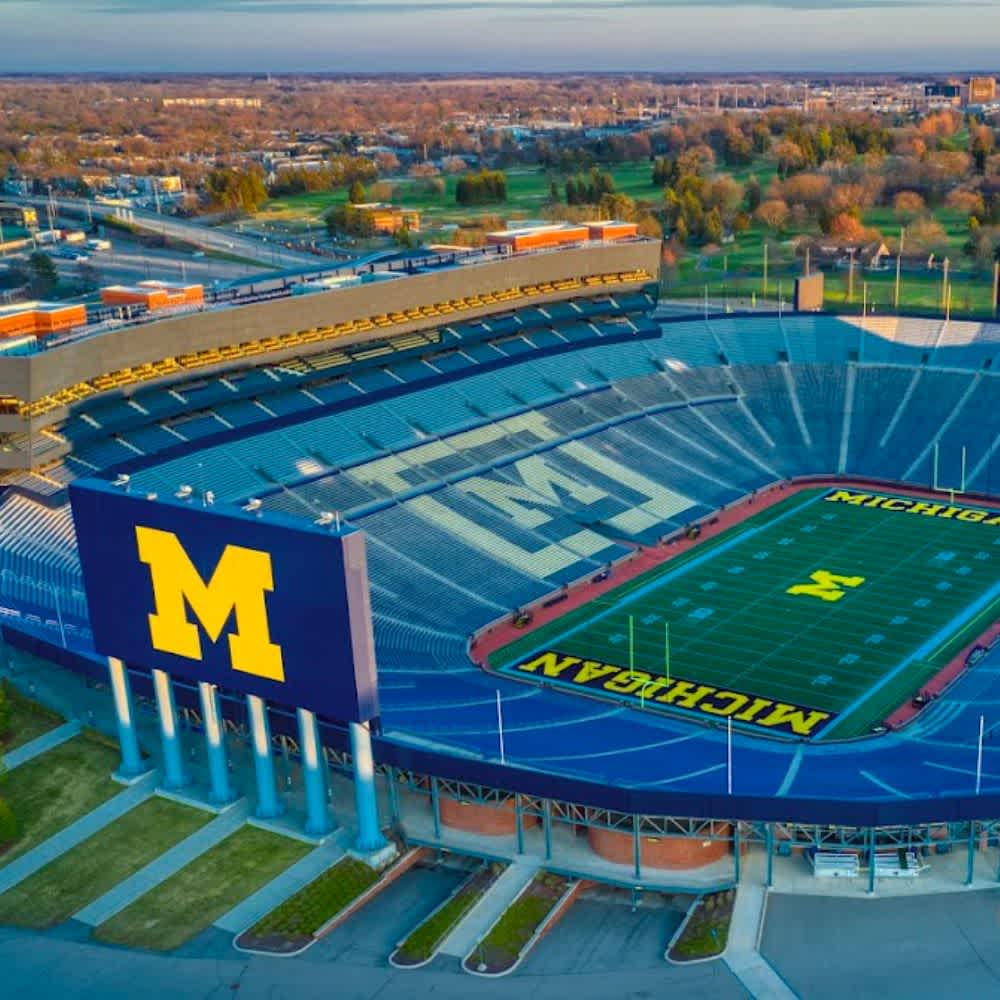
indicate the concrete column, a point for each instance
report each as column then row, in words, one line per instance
column 314, row 773
column 636, row 847
column 871, row 862
column 547, row 827
column 769, row 847
column 970, row 867
column 131, row 764
column 268, row 805
column 436, row 808
column 519, row 823
column 221, row 790
column 174, row 775
column 393, row 793
column 737, row 844
column 369, row 834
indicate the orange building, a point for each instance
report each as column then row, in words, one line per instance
column 153, row 295
column 560, row 234
column 389, row 219
column 40, row 319
column 609, row 230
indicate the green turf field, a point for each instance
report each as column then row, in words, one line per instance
column 756, row 636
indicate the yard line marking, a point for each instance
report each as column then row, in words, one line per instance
column 793, row 770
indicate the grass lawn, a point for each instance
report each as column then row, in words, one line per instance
column 203, row 891
column 707, row 932
column 28, row 719
column 420, row 945
column 97, row 865
column 293, row 923
column 500, row 948
column 527, row 192
column 740, row 621
column 51, row 791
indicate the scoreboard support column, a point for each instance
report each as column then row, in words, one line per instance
column 268, row 806
column 174, row 775
column 314, row 773
column 221, row 790
column 369, row 833
column 131, row 765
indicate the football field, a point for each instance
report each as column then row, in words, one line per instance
column 814, row 619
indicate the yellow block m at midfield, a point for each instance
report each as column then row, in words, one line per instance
column 826, row 586
column 241, row 578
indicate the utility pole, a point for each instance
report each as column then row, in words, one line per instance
column 996, row 287
column 944, row 281
column 765, row 268
column 850, row 276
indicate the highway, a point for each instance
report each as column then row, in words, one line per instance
column 270, row 255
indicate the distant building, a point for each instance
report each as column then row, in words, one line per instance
column 981, row 90
column 943, row 95
column 18, row 215
column 389, row 219
column 211, row 102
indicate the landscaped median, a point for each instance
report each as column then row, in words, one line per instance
column 537, row 906
column 89, row 870
column 422, row 944
column 321, row 906
column 704, row 933
column 202, row 891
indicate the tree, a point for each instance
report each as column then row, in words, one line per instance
column 483, row 188
column 712, row 232
column 356, row 194
column 44, row 277
column 908, row 205
column 752, row 195
column 773, row 213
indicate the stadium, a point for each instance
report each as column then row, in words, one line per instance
column 655, row 592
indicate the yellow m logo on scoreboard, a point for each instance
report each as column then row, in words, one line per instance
column 825, row 586
column 237, row 586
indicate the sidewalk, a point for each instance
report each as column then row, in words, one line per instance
column 742, row 954
column 78, row 832
column 246, row 913
column 167, row 864
column 44, row 742
column 481, row 917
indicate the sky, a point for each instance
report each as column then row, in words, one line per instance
column 492, row 36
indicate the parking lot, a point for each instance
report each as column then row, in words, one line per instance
column 925, row 946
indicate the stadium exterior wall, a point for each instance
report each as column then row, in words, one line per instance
column 870, row 813
column 33, row 376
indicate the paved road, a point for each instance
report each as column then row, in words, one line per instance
column 94, row 972
column 370, row 936
column 224, row 241
column 604, row 935
column 926, row 946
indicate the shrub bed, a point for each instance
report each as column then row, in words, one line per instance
column 706, row 933
column 427, row 936
column 291, row 925
column 502, row 946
